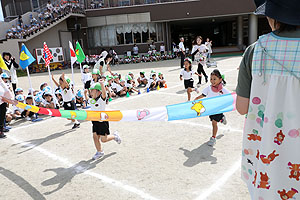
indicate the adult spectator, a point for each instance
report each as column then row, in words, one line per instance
column 268, row 92
column 181, row 51
column 162, row 49
column 12, row 66
column 135, row 50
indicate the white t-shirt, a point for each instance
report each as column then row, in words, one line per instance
column 187, row 75
column 67, row 94
column 97, row 104
column 208, row 44
column 86, row 77
column 200, row 55
column 135, row 50
column 15, row 108
column 162, row 48
column 209, row 93
column 181, row 46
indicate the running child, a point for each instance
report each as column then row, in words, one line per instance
column 100, row 128
column 67, row 95
column 215, row 89
column 187, row 75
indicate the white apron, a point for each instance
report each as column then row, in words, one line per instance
column 271, row 139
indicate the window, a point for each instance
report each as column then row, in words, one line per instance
column 120, row 38
column 153, row 37
column 137, row 37
column 145, row 36
column 128, row 38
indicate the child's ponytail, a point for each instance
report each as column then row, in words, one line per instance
column 217, row 73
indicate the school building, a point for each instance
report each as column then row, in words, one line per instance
column 119, row 24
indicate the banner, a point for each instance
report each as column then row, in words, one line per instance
column 187, row 110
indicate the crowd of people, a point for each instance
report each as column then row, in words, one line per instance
column 45, row 18
column 64, row 95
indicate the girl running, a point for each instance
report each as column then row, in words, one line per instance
column 215, row 89
column 187, row 75
column 198, row 52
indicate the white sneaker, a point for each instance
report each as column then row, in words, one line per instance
column 224, row 121
column 117, row 137
column 28, row 118
column 197, row 90
column 98, row 155
column 211, row 142
column 198, row 84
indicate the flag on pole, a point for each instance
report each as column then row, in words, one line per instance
column 2, row 64
column 79, row 53
column 72, row 53
column 47, row 55
column 25, row 57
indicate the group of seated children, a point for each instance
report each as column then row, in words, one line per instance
column 64, row 94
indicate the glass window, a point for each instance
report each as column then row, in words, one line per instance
column 145, row 37
column 137, row 37
column 120, row 38
column 159, row 32
column 128, row 38
column 153, row 37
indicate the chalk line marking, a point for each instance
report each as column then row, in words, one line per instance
column 101, row 177
column 220, row 182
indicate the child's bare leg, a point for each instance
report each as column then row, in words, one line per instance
column 189, row 90
column 215, row 128
column 107, row 138
column 97, row 142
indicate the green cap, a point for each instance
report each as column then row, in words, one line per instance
column 159, row 73
column 129, row 78
column 153, row 71
column 116, row 77
column 96, row 86
column 130, row 73
column 68, row 79
column 85, row 66
column 96, row 71
column 142, row 72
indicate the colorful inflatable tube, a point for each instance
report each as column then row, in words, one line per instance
column 187, row 110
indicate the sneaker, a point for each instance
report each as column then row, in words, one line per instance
column 98, row 155
column 28, row 118
column 5, row 130
column 223, row 120
column 2, row 136
column 197, row 90
column 198, row 84
column 117, row 137
column 76, row 125
column 211, row 142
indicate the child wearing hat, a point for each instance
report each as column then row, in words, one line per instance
column 67, row 95
column 161, row 80
column 16, row 110
column 48, row 101
column 86, row 77
column 97, row 101
column 129, row 84
column 5, row 79
column 142, row 80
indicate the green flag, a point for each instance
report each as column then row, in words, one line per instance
column 79, row 53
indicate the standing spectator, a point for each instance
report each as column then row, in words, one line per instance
column 20, row 20
column 268, row 90
column 12, row 66
column 135, row 50
column 50, row 6
column 208, row 43
column 5, row 92
column 162, row 49
column 181, row 51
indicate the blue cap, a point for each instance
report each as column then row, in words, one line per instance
column 4, row 75
column 20, row 97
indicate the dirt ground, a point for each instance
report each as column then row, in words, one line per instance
column 156, row 160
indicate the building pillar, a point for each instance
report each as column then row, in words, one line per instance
column 253, row 28
column 240, row 37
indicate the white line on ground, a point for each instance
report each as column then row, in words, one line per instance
column 220, row 182
column 174, row 94
column 206, row 126
column 101, row 177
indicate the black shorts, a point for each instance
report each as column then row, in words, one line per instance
column 217, row 117
column 101, row 128
column 69, row 105
column 87, row 85
column 189, row 83
column 23, row 114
